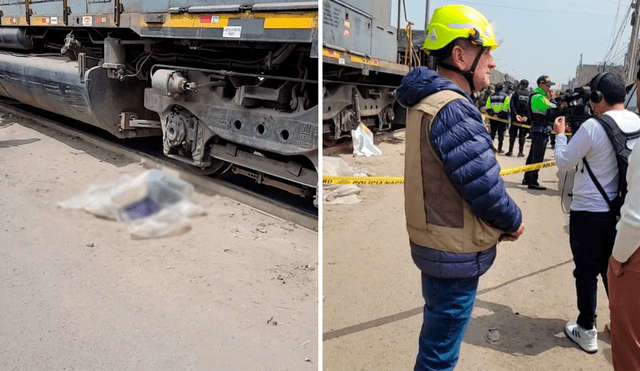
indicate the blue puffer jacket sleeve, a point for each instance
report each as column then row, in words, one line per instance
column 464, row 146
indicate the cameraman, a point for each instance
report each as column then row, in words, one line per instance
column 520, row 115
column 541, row 117
column 498, row 105
column 592, row 227
column 575, row 107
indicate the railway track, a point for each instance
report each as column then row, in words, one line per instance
column 242, row 188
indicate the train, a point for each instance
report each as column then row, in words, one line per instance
column 223, row 84
column 363, row 63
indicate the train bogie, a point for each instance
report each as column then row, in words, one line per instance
column 360, row 67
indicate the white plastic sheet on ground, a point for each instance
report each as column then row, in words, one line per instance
column 154, row 204
column 340, row 194
column 363, row 143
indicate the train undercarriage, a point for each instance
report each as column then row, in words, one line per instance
column 357, row 90
column 249, row 106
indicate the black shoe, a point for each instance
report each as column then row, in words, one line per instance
column 520, row 154
column 509, row 154
column 500, row 151
column 537, row 187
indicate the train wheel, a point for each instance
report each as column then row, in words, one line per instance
column 217, row 167
column 329, row 142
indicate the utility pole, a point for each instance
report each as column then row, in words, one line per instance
column 426, row 16
column 399, row 14
column 633, row 43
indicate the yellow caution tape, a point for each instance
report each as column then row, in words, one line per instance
column 522, row 169
column 494, row 118
column 363, row 180
column 386, row 180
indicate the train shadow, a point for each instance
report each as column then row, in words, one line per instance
column 46, row 128
column 17, row 142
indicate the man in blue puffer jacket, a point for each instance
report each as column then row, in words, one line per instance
column 456, row 205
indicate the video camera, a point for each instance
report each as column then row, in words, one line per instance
column 574, row 106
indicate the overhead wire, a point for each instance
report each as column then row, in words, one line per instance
column 615, row 21
column 615, row 45
column 616, row 41
column 555, row 11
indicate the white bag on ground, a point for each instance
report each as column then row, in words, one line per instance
column 363, row 142
column 338, row 194
column 154, row 204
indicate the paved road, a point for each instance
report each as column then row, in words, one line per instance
column 236, row 292
column 372, row 297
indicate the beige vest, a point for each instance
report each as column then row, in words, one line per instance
column 437, row 216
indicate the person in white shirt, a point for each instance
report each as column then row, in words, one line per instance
column 591, row 224
column 624, row 273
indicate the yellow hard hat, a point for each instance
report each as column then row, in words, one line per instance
column 458, row 21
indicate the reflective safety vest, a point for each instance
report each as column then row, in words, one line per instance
column 499, row 104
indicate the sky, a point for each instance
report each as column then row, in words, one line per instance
column 544, row 37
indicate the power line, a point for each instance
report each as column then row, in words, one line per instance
column 555, row 11
column 616, row 40
column 615, row 21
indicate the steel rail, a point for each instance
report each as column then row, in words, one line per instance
column 260, row 202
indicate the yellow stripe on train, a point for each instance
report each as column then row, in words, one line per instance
column 306, row 20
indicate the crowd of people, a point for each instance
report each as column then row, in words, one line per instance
column 453, row 190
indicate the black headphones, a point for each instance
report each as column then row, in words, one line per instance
column 596, row 95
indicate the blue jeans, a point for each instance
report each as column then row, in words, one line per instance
column 448, row 305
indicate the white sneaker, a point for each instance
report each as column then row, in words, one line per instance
column 587, row 339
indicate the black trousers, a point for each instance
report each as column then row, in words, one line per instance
column 499, row 128
column 520, row 133
column 591, row 236
column 536, row 155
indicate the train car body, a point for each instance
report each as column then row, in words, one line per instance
column 221, row 82
column 360, row 69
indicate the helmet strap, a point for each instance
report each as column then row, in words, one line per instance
column 467, row 74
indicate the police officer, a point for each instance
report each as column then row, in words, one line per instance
column 520, row 115
column 541, row 120
column 483, row 96
column 498, row 105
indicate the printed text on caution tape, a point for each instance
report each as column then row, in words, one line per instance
column 386, row 180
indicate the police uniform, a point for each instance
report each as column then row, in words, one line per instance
column 499, row 104
column 540, row 129
column 520, row 105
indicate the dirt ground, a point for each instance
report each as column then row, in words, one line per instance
column 372, row 303
column 237, row 292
